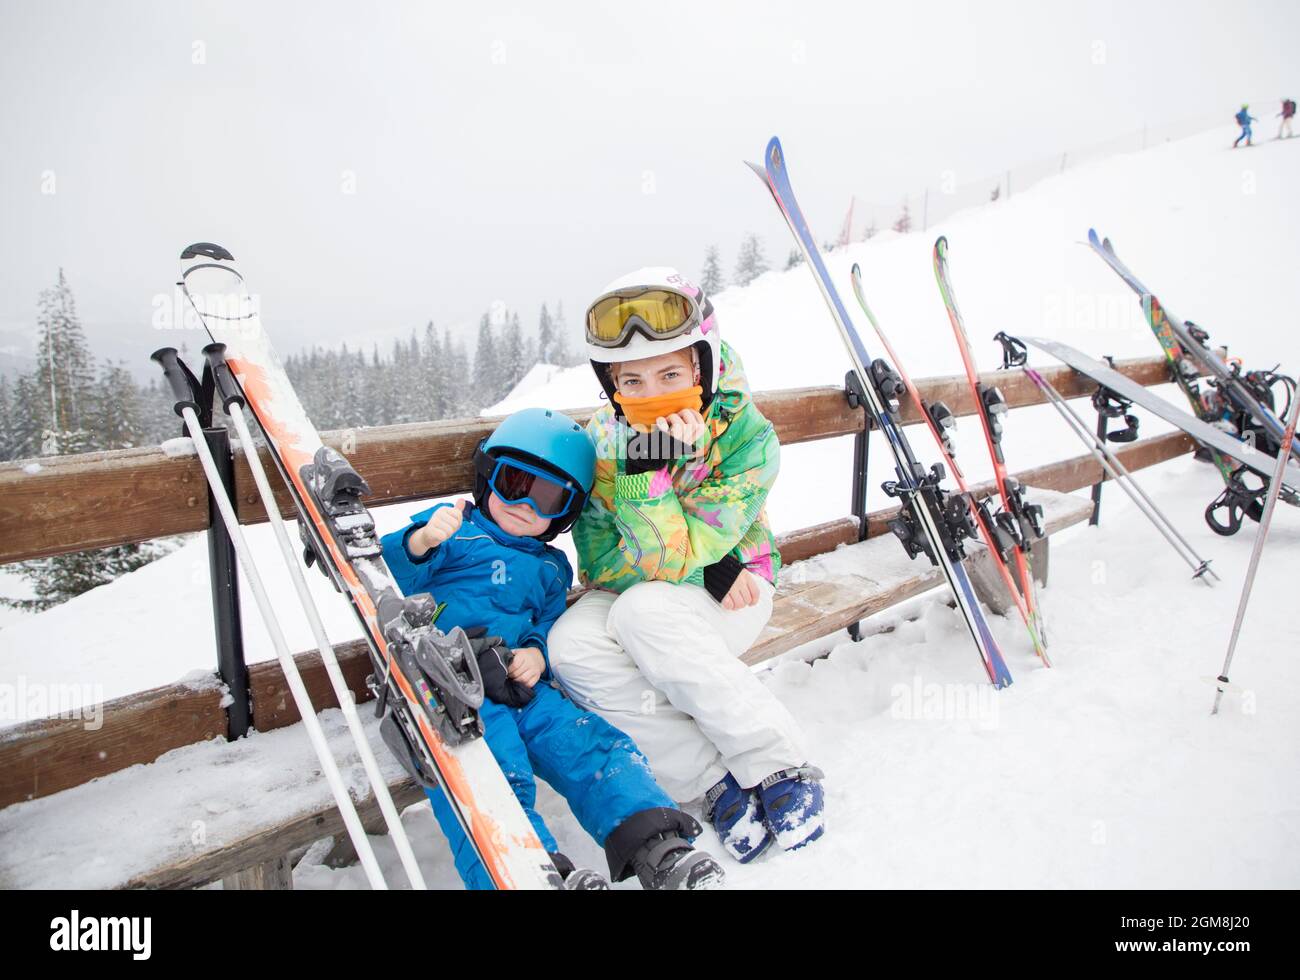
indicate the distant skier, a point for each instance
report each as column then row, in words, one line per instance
column 1244, row 119
column 1287, row 114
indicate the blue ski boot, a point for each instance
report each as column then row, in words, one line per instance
column 737, row 816
column 793, row 802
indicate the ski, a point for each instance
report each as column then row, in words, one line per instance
column 1237, row 499
column 426, row 683
column 932, row 521
column 939, row 420
column 1181, row 366
column 1192, row 342
column 1014, row 354
column 1020, row 522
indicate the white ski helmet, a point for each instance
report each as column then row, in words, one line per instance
column 649, row 312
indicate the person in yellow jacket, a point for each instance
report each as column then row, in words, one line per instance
column 682, row 565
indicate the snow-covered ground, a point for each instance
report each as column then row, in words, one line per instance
column 1104, row 771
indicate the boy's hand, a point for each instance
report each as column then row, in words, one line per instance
column 527, row 666
column 687, row 426
column 743, row 591
column 443, row 524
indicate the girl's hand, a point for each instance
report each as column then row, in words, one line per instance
column 743, row 591
column 687, row 426
column 527, row 666
column 442, row 525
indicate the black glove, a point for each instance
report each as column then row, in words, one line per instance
column 649, row 451
column 493, row 658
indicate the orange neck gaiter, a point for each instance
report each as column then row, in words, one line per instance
column 644, row 411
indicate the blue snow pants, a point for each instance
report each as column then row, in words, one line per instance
column 596, row 768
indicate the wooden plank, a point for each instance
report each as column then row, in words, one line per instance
column 38, row 758
column 94, row 500
column 816, row 540
column 1071, row 474
column 99, row 499
column 273, row 704
column 269, row 844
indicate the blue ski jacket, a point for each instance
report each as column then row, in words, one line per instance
column 514, row 586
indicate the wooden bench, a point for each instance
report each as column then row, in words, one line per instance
column 831, row 580
column 830, row 592
column 817, row 596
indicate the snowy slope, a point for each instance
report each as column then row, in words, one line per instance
column 1106, row 770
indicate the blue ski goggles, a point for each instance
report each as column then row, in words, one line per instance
column 516, row 482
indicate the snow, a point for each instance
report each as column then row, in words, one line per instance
column 31, row 469
column 180, row 446
column 1104, row 771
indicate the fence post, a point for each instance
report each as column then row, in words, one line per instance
column 1103, row 422
column 861, row 445
column 224, row 574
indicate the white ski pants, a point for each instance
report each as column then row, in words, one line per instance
column 661, row 662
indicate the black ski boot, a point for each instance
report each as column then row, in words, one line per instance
column 655, row 845
column 578, row 879
column 669, row 863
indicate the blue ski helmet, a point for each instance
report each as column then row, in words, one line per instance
column 548, row 440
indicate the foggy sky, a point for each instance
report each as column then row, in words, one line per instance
column 374, row 166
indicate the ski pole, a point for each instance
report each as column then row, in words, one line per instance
column 1123, row 478
column 186, row 407
column 233, row 402
column 1274, row 487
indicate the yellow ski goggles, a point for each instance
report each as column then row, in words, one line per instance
column 658, row 314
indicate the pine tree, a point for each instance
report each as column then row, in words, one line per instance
column 159, row 420
column 65, row 370
column 904, row 223
column 28, row 420
column 794, row 258
column 560, row 352
column 486, row 364
column 751, row 262
column 514, row 364
column 460, row 398
column 545, row 336
column 871, row 231
column 711, row 279
column 379, row 399
column 119, row 419
column 410, row 402
column 432, row 389
column 6, row 421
